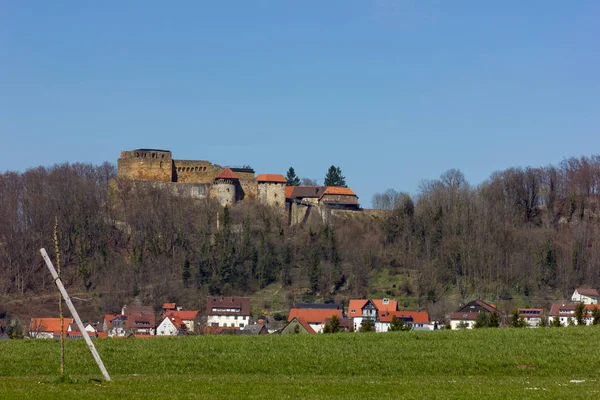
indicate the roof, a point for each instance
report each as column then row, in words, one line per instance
column 588, row 292
column 186, row 315
column 417, row 317
column 568, row 309
column 288, row 191
column 300, row 192
column 313, row 316
column 465, row 316
column 392, row 305
column 304, row 324
column 277, row 178
column 227, row 303
column 355, row 307
column 176, row 321
column 321, row 306
column 476, row 305
column 169, row 306
column 227, row 173
column 255, row 329
column 49, row 325
column 338, row 191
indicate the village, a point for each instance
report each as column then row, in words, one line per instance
column 233, row 315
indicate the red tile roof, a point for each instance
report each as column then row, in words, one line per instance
column 277, row 178
column 227, row 173
column 52, row 325
column 169, row 306
column 588, row 292
column 418, row 317
column 186, row 315
column 313, row 316
column 355, row 307
column 336, row 190
column 464, row 316
column 566, row 310
column 176, row 321
column 288, row 191
column 392, row 305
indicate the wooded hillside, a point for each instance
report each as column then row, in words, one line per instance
column 532, row 232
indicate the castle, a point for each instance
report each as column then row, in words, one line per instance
column 201, row 179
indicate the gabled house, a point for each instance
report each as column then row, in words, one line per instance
column 232, row 312
column 138, row 320
column 419, row 320
column 171, row 326
column 48, row 328
column 298, row 325
column 74, row 332
column 531, row 316
column 359, row 310
column 466, row 316
column 566, row 313
column 585, row 296
column 316, row 318
column 255, row 329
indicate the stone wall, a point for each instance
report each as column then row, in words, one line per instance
column 273, row 194
column 195, row 171
column 145, row 165
column 336, row 198
column 224, row 193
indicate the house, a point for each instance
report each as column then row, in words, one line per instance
column 419, row 320
column 585, row 296
column 48, row 328
column 346, row 324
column 315, row 317
column 531, row 316
column 466, row 316
column 170, row 307
column 566, row 313
column 298, row 325
column 189, row 318
column 233, row 312
column 171, row 326
column 139, row 320
column 74, row 332
column 359, row 310
column 255, row 329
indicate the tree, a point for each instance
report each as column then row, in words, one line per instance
column 579, row 314
column 494, row 320
column 596, row 315
column 291, row 178
column 334, row 177
column 555, row 323
column 398, row 324
column 543, row 322
column 517, row 321
column 481, row 321
column 367, row 325
column 333, row 326
column 309, row 182
column 570, row 322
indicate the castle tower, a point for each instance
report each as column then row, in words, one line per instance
column 271, row 190
column 225, row 186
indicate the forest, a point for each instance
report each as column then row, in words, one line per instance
column 531, row 232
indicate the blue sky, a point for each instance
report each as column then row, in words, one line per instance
column 393, row 92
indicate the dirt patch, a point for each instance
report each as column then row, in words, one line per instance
column 526, row 366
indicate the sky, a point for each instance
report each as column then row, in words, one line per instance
column 392, row 92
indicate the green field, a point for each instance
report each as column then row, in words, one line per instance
column 488, row 363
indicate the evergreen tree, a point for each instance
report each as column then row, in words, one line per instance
column 543, row 322
column 367, row 326
column 514, row 322
column 596, row 316
column 334, row 177
column 333, row 326
column 292, row 178
column 555, row 322
column 494, row 320
column 481, row 321
column 580, row 314
column 570, row 322
column 398, row 324
column 186, row 273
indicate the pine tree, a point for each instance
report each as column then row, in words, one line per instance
column 579, row 314
column 596, row 316
column 555, row 322
column 333, row 326
column 481, row 321
column 292, row 178
column 398, row 324
column 494, row 320
column 367, row 326
column 334, row 177
column 514, row 322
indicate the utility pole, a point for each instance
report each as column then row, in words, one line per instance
column 71, row 307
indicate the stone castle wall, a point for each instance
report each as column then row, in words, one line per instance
column 195, row 171
column 273, row 194
column 146, row 165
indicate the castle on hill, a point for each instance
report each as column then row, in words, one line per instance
column 228, row 185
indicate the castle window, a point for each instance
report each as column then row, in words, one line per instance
column 153, row 155
column 137, row 154
column 196, row 169
column 162, row 156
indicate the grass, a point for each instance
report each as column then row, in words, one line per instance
column 495, row 363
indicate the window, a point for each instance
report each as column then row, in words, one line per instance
column 232, row 324
column 241, row 325
column 235, row 318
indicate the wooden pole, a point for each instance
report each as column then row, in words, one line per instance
column 65, row 295
column 60, row 301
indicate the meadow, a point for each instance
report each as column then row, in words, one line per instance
column 487, row 363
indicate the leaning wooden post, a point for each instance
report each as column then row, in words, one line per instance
column 65, row 295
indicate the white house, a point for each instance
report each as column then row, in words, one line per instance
column 171, row 326
column 531, row 316
column 566, row 313
column 419, row 320
column 233, row 312
column 48, row 328
column 315, row 317
column 466, row 317
column 585, row 296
